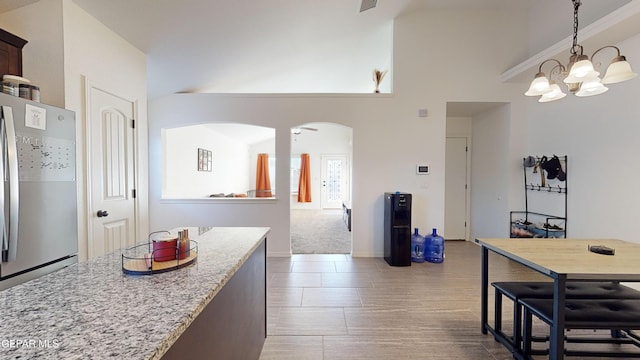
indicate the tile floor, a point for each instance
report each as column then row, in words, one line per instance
column 338, row 307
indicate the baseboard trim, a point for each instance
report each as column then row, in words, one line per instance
column 367, row 255
column 279, row 254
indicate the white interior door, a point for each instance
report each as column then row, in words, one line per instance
column 455, row 209
column 333, row 181
column 111, row 143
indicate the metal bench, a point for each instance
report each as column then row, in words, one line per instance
column 516, row 290
column 609, row 314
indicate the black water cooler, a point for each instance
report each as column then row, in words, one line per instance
column 397, row 228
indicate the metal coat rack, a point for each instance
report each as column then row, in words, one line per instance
column 550, row 229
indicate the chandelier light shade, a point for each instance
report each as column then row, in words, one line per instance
column 580, row 76
column 618, row 71
column 581, row 71
column 554, row 94
column 592, row 87
column 539, row 85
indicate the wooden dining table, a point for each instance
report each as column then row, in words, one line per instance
column 561, row 260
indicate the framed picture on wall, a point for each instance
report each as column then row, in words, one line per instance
column 204, row 160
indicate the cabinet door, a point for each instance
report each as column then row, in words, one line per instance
column 10, row 53
column 4, row 58
column 10, row 60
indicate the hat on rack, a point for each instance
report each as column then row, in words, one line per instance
column 529, row 161
column 552, row 167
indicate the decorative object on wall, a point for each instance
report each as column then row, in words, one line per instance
column 579, row 74
column 304, row 183
column 378, row 75
column 263, row 184
column 204, row 160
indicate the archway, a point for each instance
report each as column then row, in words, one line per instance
column 319, row 220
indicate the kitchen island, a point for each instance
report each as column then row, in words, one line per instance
column 215, row 308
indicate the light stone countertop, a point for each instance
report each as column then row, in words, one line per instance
column 92, row 310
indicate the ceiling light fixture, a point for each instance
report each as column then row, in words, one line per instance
column 579, row 75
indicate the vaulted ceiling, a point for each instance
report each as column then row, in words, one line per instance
column 262, row 45
column 300, row 45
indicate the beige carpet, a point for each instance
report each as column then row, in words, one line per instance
column 319, row 232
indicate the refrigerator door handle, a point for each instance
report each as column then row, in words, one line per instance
column 11, row 167
column 3, row 178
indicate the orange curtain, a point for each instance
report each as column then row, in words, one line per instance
column 304, row 184
column 263, row 184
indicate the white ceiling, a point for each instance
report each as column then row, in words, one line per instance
column 469, row 109
column 227, row 45
column 6, row 5
column 215, row 45
column 244, row 133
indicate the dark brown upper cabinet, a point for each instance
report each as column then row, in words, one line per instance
column 11, row 53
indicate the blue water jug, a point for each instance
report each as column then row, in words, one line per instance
column 434, row 248
column 417, row 247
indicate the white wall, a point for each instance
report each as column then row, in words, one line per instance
column 96, row 54
column 489, row 168
column 230, row 164
column 447, row 56
column 42, row 57
column 599, row 134
column 344, row 66
column 551, row 21
column 389, row 138
column 442, row 56
column 601, row 137
column 459, row 126
column 67, row 46
column 439, row 56
column 282, row 113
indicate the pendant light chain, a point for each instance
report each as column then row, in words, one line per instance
column 579, row 75
column 576, row 5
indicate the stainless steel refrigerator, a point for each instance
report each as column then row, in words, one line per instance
column 38, row 212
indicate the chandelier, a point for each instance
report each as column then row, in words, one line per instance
column 579, row 74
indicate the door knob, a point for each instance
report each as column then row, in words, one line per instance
column 102, row 213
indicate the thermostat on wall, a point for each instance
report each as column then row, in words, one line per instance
column 422, row 169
